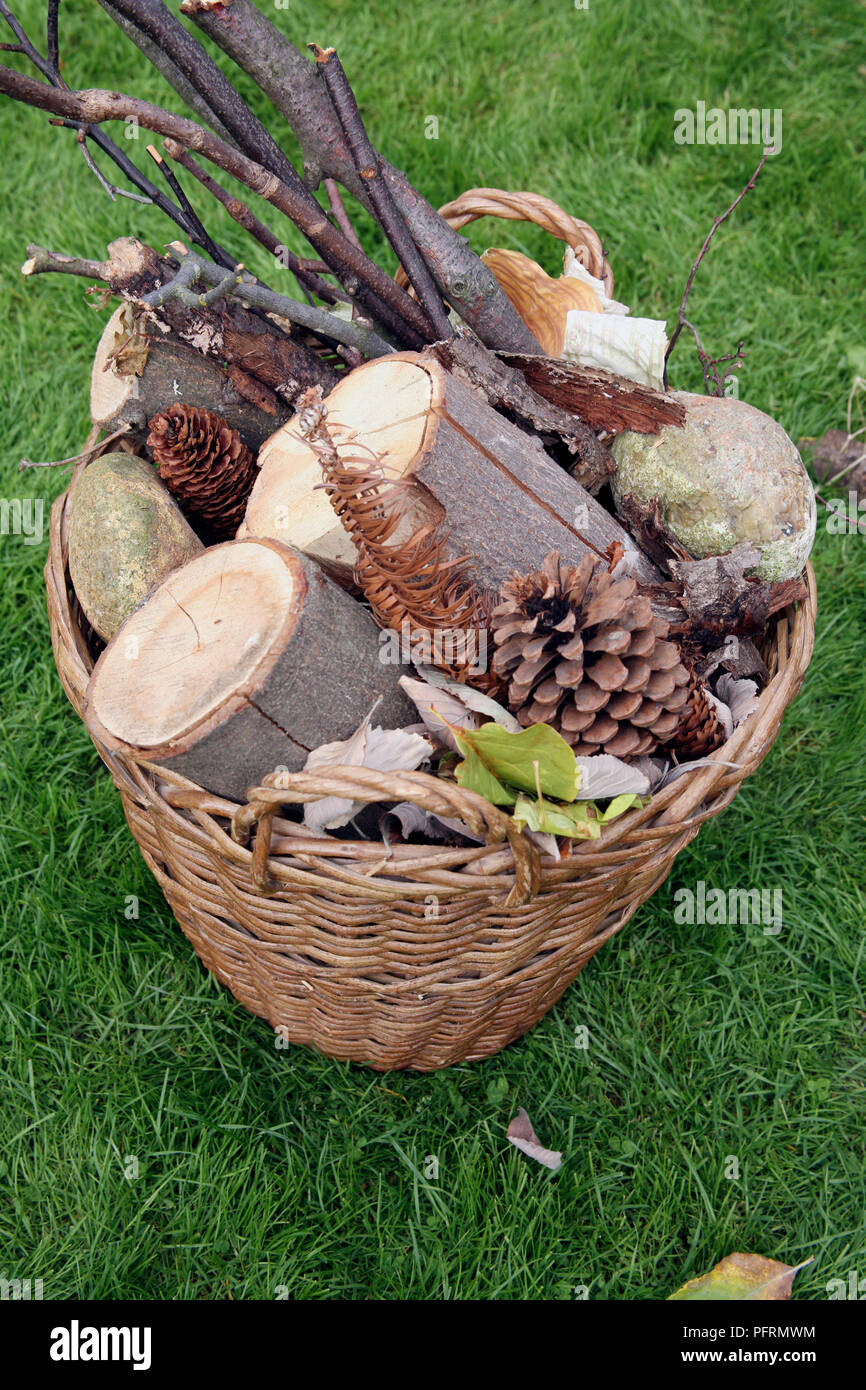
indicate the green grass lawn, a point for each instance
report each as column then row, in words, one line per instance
column 155, row 1143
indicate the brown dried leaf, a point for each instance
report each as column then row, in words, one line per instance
column 839, row 457
column 130, row 348
column 521, row 1134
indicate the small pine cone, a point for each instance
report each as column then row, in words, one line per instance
column 205, row 463
column 700, row 732
column 584, row 651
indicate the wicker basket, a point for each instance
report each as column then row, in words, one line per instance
column 476, row 203
column 427, row 955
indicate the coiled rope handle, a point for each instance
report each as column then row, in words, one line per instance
column 530, row 207
column 363, row 784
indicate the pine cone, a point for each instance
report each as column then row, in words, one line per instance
column 700, row 732
column 205, row 463
column 584, row 651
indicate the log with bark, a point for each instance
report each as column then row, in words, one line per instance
column 504, row 502
column 243, row 661
column 140, row 369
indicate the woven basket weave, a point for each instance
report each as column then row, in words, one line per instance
column 412, row 960
column 429, row 955
column 476, row 203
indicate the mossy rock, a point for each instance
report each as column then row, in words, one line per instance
column 126, row 534
column 730, row 474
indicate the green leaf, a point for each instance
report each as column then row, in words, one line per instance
column 475, row 776
column 576, row 821
column 741, row 1277
column 582, row 820
column 537, row 757
column 619, row 805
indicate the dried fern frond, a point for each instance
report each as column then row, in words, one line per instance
column 407, row 582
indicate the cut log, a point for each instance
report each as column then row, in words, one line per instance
column 139, row 371
column 266, row 364
column 242, row 662
column 506, row 504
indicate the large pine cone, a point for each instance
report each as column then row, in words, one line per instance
column 583, row 651
column 205, row 463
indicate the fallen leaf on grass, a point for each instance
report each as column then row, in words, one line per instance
column 742, row 1277
column 521, row 1134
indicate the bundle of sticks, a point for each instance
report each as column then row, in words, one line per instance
column 378, row 455
column 270, row 346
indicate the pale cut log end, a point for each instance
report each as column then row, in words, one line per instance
column 109, row 390
column 198, row 647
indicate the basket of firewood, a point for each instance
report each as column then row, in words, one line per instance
column 420, row 625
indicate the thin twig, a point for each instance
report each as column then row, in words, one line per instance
column 76, row 458
column 39, row 261
column 259, row 147
column 239, row 283
column 387, row 213
column 839, row 510
column 682, row 321
column 385, row 300
column 338, row 209
column 52, row 37
column 167, row 69
column 285, row 75
column 202, row 238
column 306, row 273
column 110, row 188
column 149, row 190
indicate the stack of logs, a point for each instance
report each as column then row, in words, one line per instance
column 416, row 447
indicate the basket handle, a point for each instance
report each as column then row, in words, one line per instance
column 364, row 784
column 530, row 207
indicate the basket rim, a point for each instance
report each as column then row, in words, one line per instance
column 525, row 206
column 508, row 865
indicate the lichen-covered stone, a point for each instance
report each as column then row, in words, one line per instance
column 730, row 474
column 126, row 533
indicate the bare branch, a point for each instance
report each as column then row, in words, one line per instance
column 76, row 458
column 395, row 309
column 169, row 70
column 338, row 209
column 50, row 71
column 242, row 285
column 52, row 39
column 367, row 166
column 201, row 236
column 682, row 321
column 259, row 146
column 304, row 272
column 294, row 86
column 39, row 261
